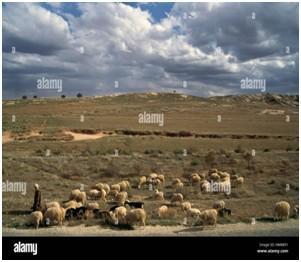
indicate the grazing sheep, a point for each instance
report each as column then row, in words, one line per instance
column 78, row 196
column 166, row 212
column 208, row 217
column 121, row 198
column 71, row 204
column 106, row 188
column 179, row 187
column 219, row 204
column 74, row 194
column 282, row 210
column 54, row 215
column 205, row 186
column 120, row 213
column 156, row 182
column 103, row 195
column 153, row 176
column 94, row 194
column 214, row 177
column 224, row 176
column 115, row 187
column 142, row 181
column 186, row 206
column 135, row 216
column 36, row 218
column 239, row 181
column 193, row 212
column 162, row 210
column 45, row 206
column 124, row 185
column 161, row 178
column 176, row 181
column 158, row 195
column 134, row 204
column 195, row 178
column 113, row 193
column 98, row 186
column 177, row 197
column 92, row 205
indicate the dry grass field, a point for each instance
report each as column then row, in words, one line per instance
column 82, row 152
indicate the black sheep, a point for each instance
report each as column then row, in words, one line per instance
column 136, row 204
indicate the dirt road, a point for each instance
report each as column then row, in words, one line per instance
column 287, row 228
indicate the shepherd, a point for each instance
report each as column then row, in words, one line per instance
column 37, row 199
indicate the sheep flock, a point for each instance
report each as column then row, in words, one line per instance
column 121, row 211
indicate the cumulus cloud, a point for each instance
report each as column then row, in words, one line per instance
column 211, row 46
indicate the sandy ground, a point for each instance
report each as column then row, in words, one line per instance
column 78, row 136
column 285, row 228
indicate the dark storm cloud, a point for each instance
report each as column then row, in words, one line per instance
column 212, row 46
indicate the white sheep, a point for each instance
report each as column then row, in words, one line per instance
column 124, row 185
column 282, row 210
column 176, row 181
column 193, row 212
column 195, row 178
column 36, row 218
column 98, row 186
column 142, row 181
column 158, row 195
column 186, row 206
column 177, row 197
column 205, row 186
column 134, row 216
column 239, row 181
column 214, row 177
column 106, row 188
column 94, row 194
column 92, row 206
column 162, row 210
column 115, row 187
column 166, row 212
column 120, row 213
column 161, row 178
column 179, row 187
column 153, row 176
column 71, row 204
column 121, row 198
column 78, row 196
column 47, row 205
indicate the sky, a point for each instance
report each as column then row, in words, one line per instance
column 202, row 49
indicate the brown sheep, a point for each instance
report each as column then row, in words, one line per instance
column 282, row 210
column 54, row 215
column 134, row 216
column 208, row 217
